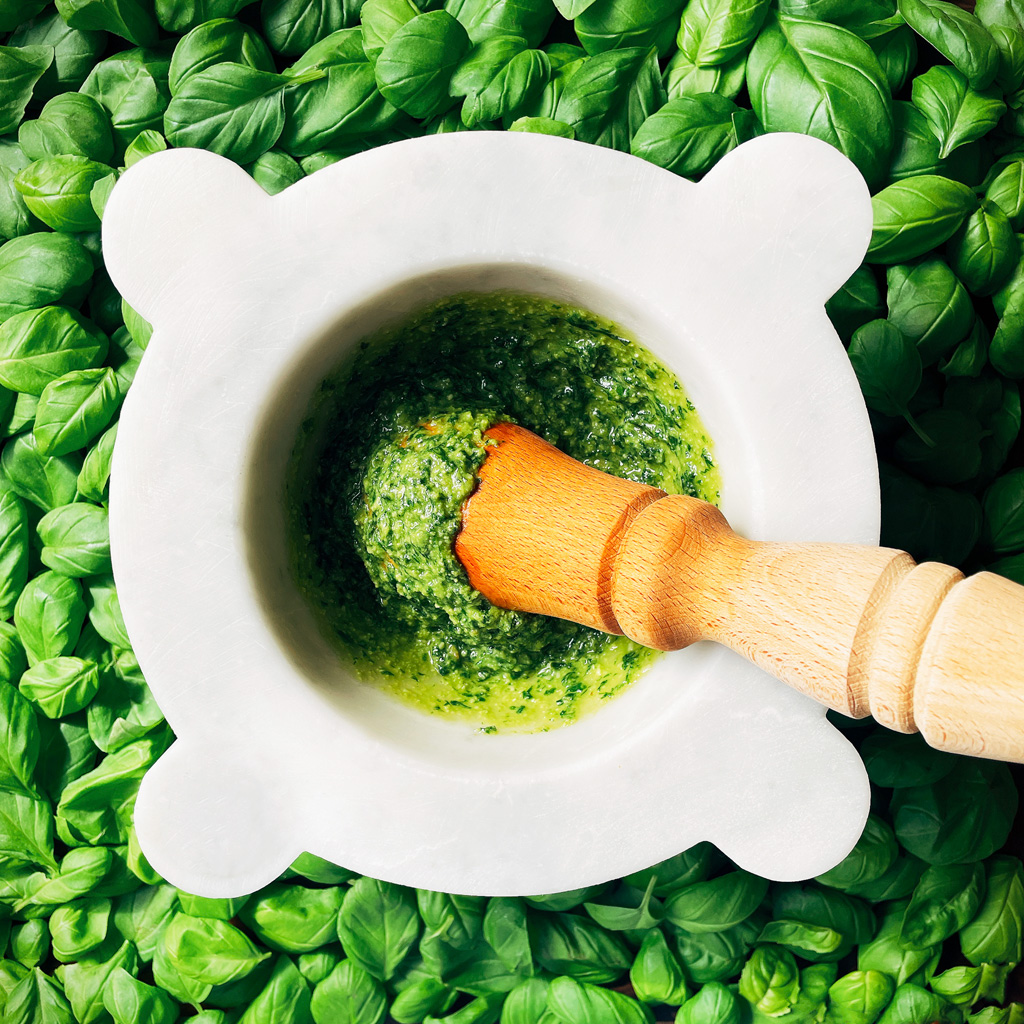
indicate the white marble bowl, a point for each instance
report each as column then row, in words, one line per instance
column 255, row 299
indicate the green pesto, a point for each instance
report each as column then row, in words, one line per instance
column 390, row 451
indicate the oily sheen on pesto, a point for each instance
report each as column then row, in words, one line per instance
column 374, row 506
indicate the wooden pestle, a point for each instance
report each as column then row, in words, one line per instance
column 864, row 630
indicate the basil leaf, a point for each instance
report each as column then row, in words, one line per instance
column 886, row 954
column 859, row 997
column 944, row 447
column 202, row 906
column 46, row 482
column 293, row 918
column 713, row 1004
column 132, row 87
column 377, row 925
column 124, row 710
column 209, row 951
column 67, row 753
column 36, row 999
column 415, row 67
column 819, row 79
column 946, row 898
column 78, row 927
column 962, row 818
column 984, row 252
column 1003, row 506
column 498, row 78
column 40, row 269
column 349, row 993
column 936, row 523
column 30, row 943
column 180, row 16
column 796, row 935
column 629, row 910
column 97, row 807
column 144, row 144
column 12, row 655
column 929, row 306
column 715, row 956
column 227, row 108
column 815, row 905
column 81, row 871
column 14, row 550
column 285, row 997
column 994, row 934
column 142, row 917
column 684, row 868
column 20, row 69
column 71, row 124
column 958, row 35
column 49, row 616
column 139, row 329
column 684, row 78
column 897, row 54
column 274, row 171
column 770, row 981
column 60, row 686
column 1006, row 190
column 380, row 20
column 915, row 215
column 656, row 975
column 542, row 126
column 74, row 409
column 968, row 359
column 342, row 104
column 130, row 19
column 577, row 947
column 86, row 982
column 887, row 365
column 956, row 113
column 129, row 1000
column 574, row 1002
column 873, row 855
column 506, row 931
column 15, row 217
column 912, row 1003
column 714, row 32
column 456, row 919
column 105, row 610
column 215, row 41
column 894, row 760
column 76, row 539
column 19, row 740
column 717, row 904
column 608, row 24
column 607, row 99
column 74, row 51
column 688, row 135
column 180, row 986
column 39, row 346
column 292, row 26
column 26, row 829
column 316, row 869
column 526, row 1003
column 1005, row 25
column 483, row 18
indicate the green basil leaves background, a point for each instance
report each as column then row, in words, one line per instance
column 922, row 922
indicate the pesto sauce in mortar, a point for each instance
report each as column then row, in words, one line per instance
column 388, row 455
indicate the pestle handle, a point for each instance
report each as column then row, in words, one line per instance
column 861, row 629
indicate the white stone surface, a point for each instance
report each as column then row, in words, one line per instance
column 254, row 298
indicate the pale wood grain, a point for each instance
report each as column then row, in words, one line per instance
column 861, row 629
